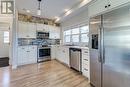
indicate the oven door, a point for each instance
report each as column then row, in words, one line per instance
column 44, row 54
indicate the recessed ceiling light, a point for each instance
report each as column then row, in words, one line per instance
column 66, row 10
column 57, row 19
column 28, row 11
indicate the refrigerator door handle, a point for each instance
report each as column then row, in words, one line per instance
column 99, row 45
column 103, row 59
column 102, row 46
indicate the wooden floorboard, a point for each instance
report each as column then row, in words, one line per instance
column 46, row 74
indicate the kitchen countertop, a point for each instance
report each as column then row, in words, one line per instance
column 80, row 47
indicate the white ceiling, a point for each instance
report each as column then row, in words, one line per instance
column 50, row 8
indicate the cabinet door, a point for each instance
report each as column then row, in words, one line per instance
column 39, row 27
column 66, row 55
column 53, row 52
column 57, row 32
column 22, row 55
column 59, row 54
column 51, row 31
column 115, row 3
column 97, row 7
column 22, row 30
column 32, row 54
column 46, row 28
column 54, row 32
column 31, row 30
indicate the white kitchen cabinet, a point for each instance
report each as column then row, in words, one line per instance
column 59, row 53
column 40, row 27
column 85, row 63
column 97, row 7
column 65, row 55
column 115, row 3
column 27, row 55
column 22, row 55
column 26, row 30
column 32, row 55
column 100, row 6
column 53, row 52
column 54, row 32
column 62, row 54
column 22, row 30
column 32, row 30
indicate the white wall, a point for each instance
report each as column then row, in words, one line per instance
column 79, row 19
column 6, row 20
column 4, row 48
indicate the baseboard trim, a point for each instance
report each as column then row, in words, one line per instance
column 14, row 66
column 63, row 63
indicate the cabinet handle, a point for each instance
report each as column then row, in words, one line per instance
column 86, row 69
column 85, row 52
column 105, row 6
column 86, row 59
column 109, row 5
column 63, row 51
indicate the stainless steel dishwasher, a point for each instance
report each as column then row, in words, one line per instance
column 75, row 59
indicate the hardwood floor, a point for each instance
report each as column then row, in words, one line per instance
column 47, row 74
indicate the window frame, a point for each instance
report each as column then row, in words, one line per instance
column 5, row 37
column 80, row 34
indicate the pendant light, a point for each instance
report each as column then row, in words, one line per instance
column 39, row 7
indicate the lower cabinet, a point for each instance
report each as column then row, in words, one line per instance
column 62, row 54
column 85, row 63
column 53, row 52
column 27, row 55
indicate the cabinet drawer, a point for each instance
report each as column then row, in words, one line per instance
column 85, row 66
column 86, row 73
column 85, row 57
column 85, row 52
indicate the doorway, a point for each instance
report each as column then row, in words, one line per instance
column 4, row 44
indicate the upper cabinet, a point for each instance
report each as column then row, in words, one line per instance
column 100, row 6
column 54, row 32
column 26, row 30
column 42, row 27
column 115, row 3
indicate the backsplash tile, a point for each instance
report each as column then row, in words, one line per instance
column 24, row 41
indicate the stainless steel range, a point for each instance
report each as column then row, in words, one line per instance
column 44, row 53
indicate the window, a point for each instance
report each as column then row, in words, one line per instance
column 84, row 29
column 75, row 31
column 84, row 38
column 67, row 36
column 67, row 39
column 77, row 35
column 6, row 37
column 68, row 32
column 75, row 38
column 84, row 33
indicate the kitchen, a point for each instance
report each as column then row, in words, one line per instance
column 39, row 40
column 78, row 43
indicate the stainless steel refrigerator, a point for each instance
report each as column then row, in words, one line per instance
column 110, row 48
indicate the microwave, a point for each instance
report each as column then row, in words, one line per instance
column 42, row 35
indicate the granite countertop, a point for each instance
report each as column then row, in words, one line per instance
column 80, row 47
